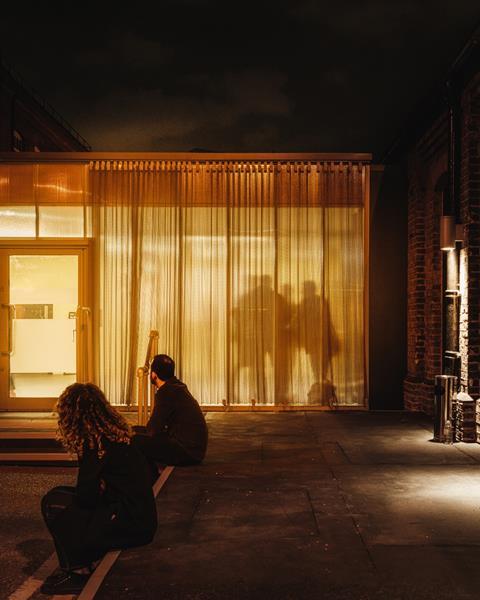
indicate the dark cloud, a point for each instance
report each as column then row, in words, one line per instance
column 125, row 52
column 150, row 119
column 288, row 76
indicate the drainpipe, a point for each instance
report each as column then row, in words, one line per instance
column 451, row 258
column 454, row 149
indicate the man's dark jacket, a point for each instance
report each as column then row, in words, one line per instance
column 177, row 414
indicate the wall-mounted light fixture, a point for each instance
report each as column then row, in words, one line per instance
column 450, row 232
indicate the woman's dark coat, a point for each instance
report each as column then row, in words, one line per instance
column 113, row 506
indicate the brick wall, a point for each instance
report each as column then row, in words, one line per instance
column 415, row 289
column 427, row 161
column 424, row 288
column 470, row 214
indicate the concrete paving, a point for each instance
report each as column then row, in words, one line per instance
column 290, row 506
column 25, row 542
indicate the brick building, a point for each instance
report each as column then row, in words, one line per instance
column 28, row 123
column 441, row 154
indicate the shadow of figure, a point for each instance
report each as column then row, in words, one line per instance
column 321, row 343
column 261, row 320
column 285, row 345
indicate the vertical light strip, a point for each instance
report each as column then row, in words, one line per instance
column 366, row 285
column 272, row 193
column 35, row 188
column 228, row 198
column 181, row 192
column 85, row 196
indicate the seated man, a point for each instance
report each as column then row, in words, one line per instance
column 176, row 433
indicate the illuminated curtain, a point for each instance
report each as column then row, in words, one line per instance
column 253, row 273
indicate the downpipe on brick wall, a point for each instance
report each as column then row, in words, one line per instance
column 451, row 235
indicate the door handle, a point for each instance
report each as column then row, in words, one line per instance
column 83, row 329
column 11, row 316
column 82, row 310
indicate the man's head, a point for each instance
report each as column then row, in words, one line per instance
column 162, row 368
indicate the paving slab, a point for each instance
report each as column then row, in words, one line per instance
column 368, row 438
column 352, row 506
column 26, row 543
column 325, row 506
column 417, row 505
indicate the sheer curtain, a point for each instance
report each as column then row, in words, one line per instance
column 252, row 272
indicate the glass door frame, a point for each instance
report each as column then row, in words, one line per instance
column 84, row 338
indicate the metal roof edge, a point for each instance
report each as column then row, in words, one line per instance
column 87, row 157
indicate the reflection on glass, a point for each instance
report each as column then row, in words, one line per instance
column 60, row 221
column 44, row 292
column 17, row 221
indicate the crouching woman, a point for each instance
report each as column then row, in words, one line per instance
column 112, row 505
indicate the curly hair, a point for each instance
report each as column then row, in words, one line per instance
column 86, row 419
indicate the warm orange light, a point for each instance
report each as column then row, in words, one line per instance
column 57, row 188
column 447, row 232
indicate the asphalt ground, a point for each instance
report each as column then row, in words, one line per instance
column 288, row 506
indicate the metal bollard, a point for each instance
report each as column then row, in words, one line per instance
column 445, row 393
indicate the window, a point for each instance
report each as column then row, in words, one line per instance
column 44, row 200
column 17, row 221
column 48, row 221
column 60, row 221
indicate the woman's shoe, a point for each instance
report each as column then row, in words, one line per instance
column 64, row 582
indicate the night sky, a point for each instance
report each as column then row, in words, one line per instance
column 277, row 76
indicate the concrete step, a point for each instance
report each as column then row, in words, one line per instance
column 32, row 448
column 60, row 459
column 31, row 443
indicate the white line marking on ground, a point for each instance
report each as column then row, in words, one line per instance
column 161, row 480
column 97, row 577
column 109, row 559
column 31, row 585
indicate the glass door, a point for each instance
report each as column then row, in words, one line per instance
column 43, row 325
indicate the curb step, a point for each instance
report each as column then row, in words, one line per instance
column 37, row 458
column 32, row 448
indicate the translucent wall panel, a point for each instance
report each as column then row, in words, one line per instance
column 256, row 305
column 60, row 184
column 59, row 191
column 115, row 297
column 16, row 184
column 204, row 307
column 60, row 221
column 253, row 302
column 320, row 280
column 17, row 221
